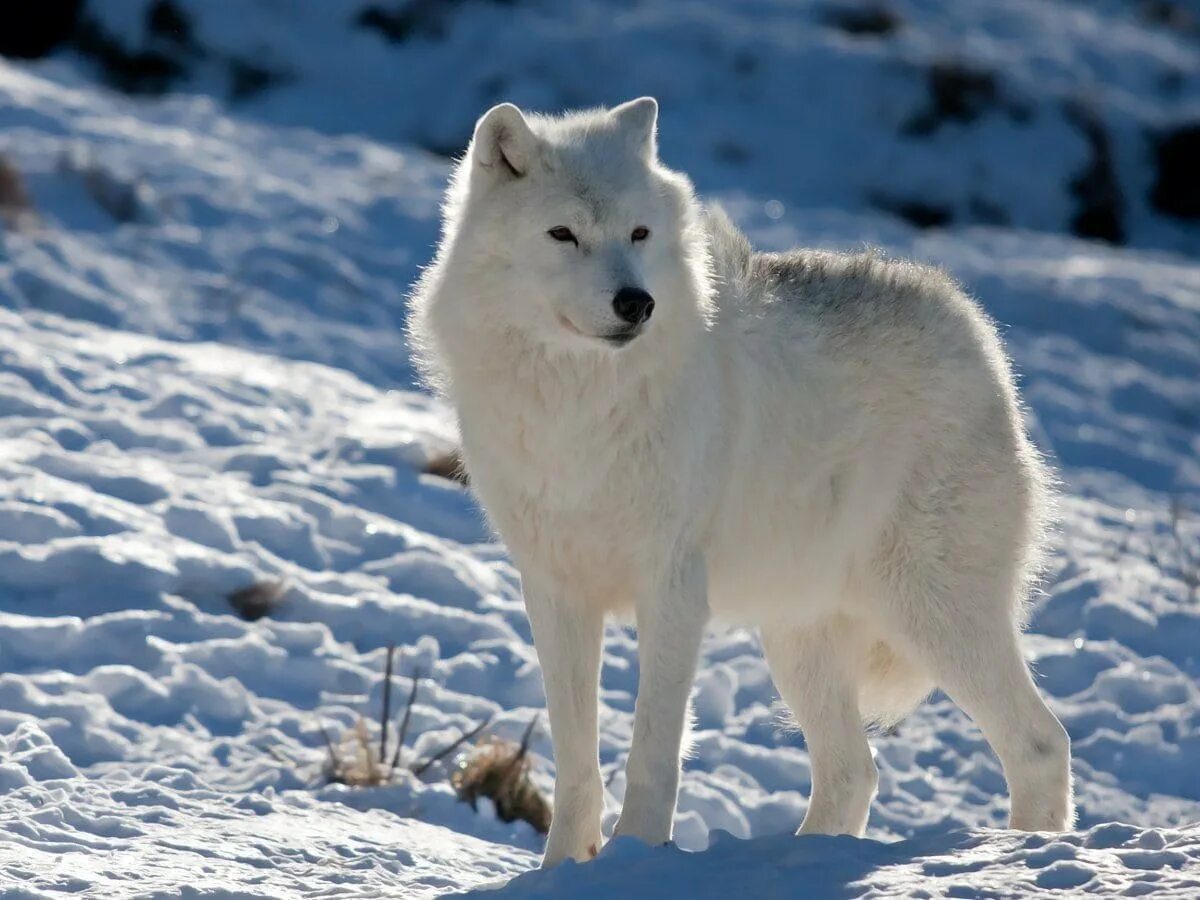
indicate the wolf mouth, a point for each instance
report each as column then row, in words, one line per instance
column 615, row 338
column 621, row 338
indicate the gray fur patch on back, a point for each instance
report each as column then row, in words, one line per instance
column 839, row 279
column 859, row 288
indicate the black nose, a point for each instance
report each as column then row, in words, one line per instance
column 633, row 305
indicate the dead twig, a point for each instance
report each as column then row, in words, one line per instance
column 385, row 714
column 333, row 757
column 420, row 768
column 403, row 732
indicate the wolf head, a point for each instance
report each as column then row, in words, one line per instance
column 568, row 234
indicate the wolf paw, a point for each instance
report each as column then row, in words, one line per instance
column 581, row 850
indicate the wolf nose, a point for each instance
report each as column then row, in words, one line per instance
column 633, row 305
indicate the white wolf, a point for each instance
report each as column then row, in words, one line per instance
column 661, row 421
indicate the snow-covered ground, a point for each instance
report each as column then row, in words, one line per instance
column 204, row 386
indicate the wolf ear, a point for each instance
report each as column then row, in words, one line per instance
column 503, row 143
column 639, row 120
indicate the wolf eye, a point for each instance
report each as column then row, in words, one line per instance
column 564, row 234
column 640, row 233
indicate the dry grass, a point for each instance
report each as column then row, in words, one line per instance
column 16, row 209
column 258, row 599
column 353, row 761
column 499, row 770
column 448, row 465
column 495, row 768
column 124, row 200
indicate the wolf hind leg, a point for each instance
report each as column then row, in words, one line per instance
column 813, row 671
column 974, row 655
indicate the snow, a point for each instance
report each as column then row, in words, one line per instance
column 1111, row 860
column 204, row 387
column 165, row 830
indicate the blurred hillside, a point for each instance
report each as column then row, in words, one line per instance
column 1078, row 117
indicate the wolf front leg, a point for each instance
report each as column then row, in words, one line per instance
column 670, row 626
column 568, row 638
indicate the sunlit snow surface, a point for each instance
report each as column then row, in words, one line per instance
column 217, row 393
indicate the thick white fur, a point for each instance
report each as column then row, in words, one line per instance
column 826, row 446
